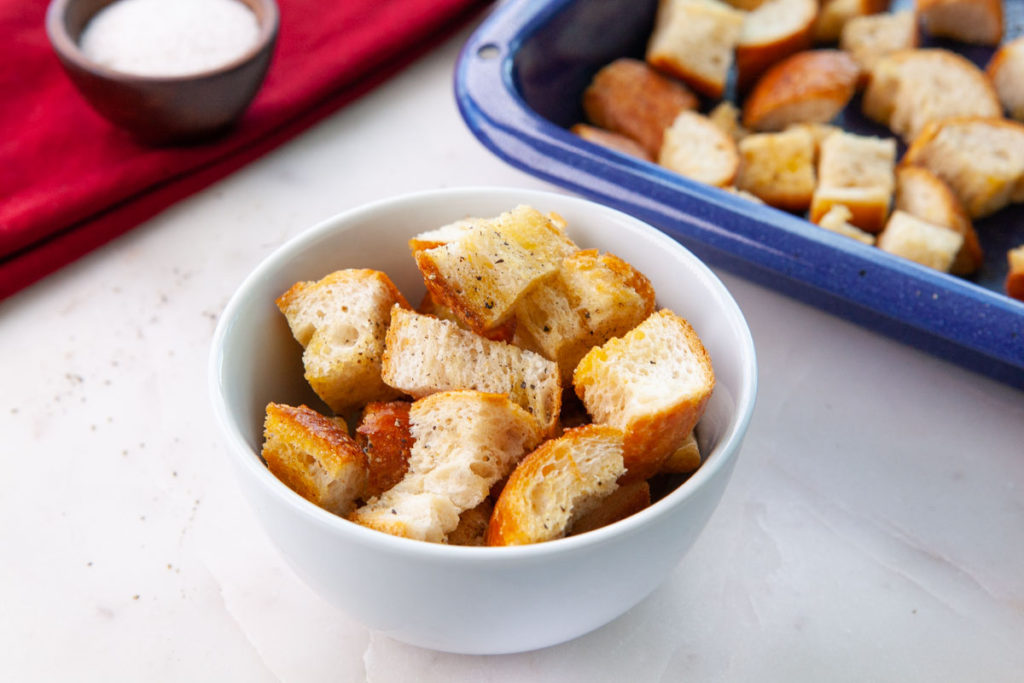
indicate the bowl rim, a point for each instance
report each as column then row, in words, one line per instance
column 725, row 451
column 69, row 49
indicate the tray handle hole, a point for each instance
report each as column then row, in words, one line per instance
column 488, row 51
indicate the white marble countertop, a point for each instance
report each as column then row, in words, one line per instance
column 873, row 530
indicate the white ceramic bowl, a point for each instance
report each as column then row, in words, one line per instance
column 466, row 599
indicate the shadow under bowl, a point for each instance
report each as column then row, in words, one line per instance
column 163, row 110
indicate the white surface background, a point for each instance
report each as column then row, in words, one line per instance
column 873, row 530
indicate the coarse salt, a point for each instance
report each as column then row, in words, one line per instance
column 169, row 37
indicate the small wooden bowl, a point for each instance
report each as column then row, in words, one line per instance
column 163, row 110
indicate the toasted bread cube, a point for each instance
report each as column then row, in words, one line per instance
column 594, row 298
column 835, row 14
column 921, row 242
column 624, row 501
column 463, row 443
column 484, row 273
column 313, row 455
column 1006, row 70
column 858, row 172
column 451, row 232
column 981, row 159
column 778, row 168
column 871, row 37
column 969, row 21
column 696, row 148
column 774, row 30
column 653, row 383
column 424, row 355
column 684, row 459
column 341, row 321
column 383, row 435
column 610, row 140
column 429, row 306
column 809, row 87
column 1015, row 275
column 923, row 194
column 631, row 98
column 694, row 40
column 563, row 479
column 472, row 528
column 868, row 207
column 726, row 116
column 837, row 219
column 908, row 89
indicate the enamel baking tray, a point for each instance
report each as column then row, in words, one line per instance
column 518, row 84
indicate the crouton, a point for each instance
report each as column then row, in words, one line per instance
column 835, row 14
column 869, row 38
column 313, row 455
column 472, row 528
column 594, row 298
column 908, row 89
column 694, row 40
column 610, row 140
column 924, row 195
column 920, row 241
column 383, row 435
column 837, row 219
column 684, row 459
column 726, row 116
column 624, row 501
column 630, row 98
column 463, row 443
column 969, row 21
column 562, row 480
column 778, row 168
column 452, row 232
column 340, row 321
column 1006, row 70
column 771, row 32
column 809, row 87
column 1015, row 275
column 424, row 355
column 698, row 149
column 981, row 159
column 653, row 383
column 857, row 172
column 482, row 275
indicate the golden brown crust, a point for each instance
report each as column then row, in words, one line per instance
column 1015, row 274
column 824, row 79
column 755, row 56
column 308, row 452
column 630, row 98
column 941, row 201
column 428, row 306
column 525, row 506
column 384, row 436
column 651, row 435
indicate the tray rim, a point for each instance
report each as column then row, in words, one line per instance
column 939, row 313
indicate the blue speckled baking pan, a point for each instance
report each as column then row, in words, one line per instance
column 518, row 83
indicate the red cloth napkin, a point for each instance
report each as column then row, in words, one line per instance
column 70, row 181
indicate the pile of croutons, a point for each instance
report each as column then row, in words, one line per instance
column 537, row 391
column 795, row 65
